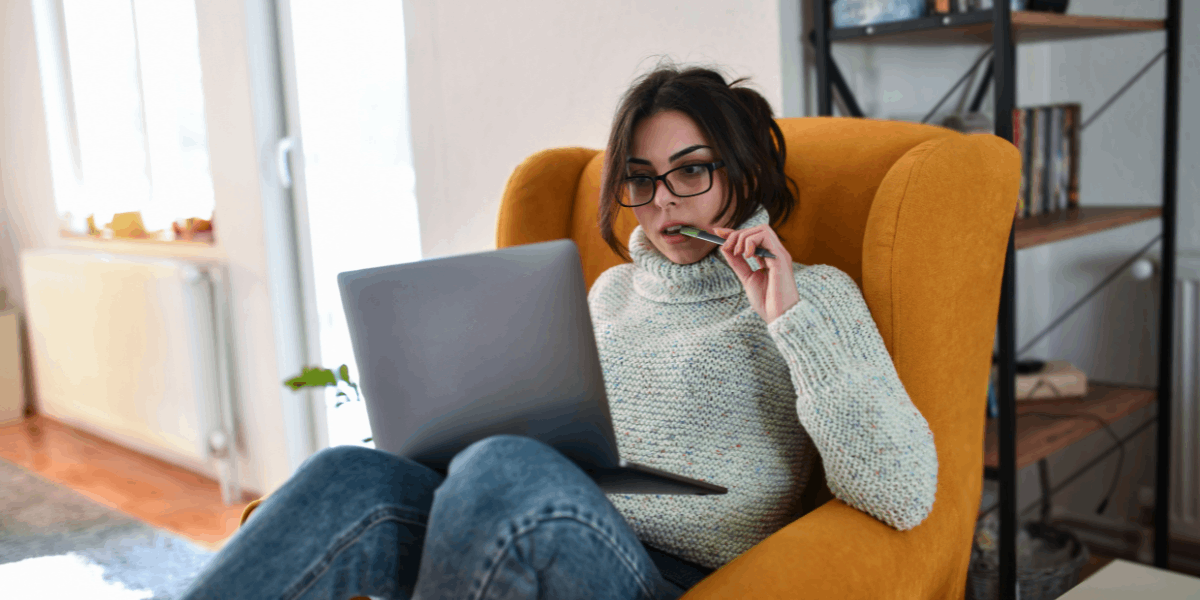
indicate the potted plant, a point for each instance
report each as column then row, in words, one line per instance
column 320, row 377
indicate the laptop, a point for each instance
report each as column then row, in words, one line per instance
column 453, row 350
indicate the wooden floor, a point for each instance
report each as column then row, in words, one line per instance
column 155, row 492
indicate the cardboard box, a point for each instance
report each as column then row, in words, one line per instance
column 1058, row 378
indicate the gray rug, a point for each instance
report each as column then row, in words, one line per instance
column 40, row 518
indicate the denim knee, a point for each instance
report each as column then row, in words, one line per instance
column 336, row 457
column 502, row 447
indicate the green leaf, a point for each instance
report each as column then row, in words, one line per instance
column 368, row 439
column 344, row 371
column 312, row 377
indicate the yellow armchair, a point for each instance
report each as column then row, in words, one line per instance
column 919, row 217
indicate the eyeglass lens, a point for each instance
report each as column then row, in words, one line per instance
column 689, row 180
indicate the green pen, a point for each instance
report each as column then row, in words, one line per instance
column 708, row 237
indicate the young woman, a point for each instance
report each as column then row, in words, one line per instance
column 717, row 366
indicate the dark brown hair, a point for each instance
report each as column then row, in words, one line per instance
column 737, row 122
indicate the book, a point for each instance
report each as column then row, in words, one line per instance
column 1061, row 149
column 1050, row 173
column 1036, row 161
column 1074, row 155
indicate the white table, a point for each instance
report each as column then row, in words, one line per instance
column 1125, row 580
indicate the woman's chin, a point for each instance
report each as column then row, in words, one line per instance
column 681, row 256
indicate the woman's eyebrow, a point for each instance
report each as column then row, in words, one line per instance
column 673, row 158
column 688, row 150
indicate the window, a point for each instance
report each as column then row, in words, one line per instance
column 125, row 114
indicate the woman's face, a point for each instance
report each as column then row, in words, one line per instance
column 665, row 141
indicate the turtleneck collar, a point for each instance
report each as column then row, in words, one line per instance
column 660, row 280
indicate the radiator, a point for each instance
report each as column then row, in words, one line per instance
column 1185, row 401
column 136, row 350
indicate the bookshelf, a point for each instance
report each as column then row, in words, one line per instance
column 1038, row 437
column 1018, row 438
column 1079, row 221
column 976, row 27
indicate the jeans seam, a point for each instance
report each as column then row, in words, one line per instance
column 344, row 541
column 558, row 515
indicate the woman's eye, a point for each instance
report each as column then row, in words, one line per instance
column 693, row 169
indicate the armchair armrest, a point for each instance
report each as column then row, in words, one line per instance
column 836, row 551
column 249, row 509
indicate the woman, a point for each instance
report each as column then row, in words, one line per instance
column 715, row 368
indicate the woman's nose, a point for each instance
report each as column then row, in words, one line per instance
column 662, row 194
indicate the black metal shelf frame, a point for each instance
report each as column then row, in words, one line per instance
column 1002, row 71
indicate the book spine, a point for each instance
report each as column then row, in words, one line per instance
column 1050, row 172
column 1076, row 157
column 1061, row 179
column 1036, row 152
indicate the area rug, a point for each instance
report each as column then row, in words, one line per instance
column 57, row 543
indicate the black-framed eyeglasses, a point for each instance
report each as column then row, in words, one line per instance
column 683, row 182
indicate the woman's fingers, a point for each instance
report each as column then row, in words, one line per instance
column 739, row 265
column 764, row 237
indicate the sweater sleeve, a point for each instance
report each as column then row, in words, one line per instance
column 877, row 448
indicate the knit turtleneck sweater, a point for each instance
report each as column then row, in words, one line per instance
column 698, row 384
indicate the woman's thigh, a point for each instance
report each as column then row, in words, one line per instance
column 350, row 521
column 517, row 519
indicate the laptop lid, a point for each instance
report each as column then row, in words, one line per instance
column 453, row 350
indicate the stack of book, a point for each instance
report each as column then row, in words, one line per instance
column 1048, row 137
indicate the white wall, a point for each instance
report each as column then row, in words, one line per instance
column 492, row 84
column 242, row 110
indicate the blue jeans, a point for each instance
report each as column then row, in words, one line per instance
column 513, row 518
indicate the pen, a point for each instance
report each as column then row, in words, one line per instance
column 708, row 237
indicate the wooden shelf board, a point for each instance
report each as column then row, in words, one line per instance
column 1078, row 221
column 976, row 28
column 1039, row 437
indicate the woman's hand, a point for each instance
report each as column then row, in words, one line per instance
column 771, row 289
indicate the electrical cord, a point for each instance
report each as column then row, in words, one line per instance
column 1120, row 453
column 1107, row 427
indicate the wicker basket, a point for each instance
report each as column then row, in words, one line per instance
column 1049, row 561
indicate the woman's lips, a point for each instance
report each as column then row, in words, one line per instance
column 677, row 238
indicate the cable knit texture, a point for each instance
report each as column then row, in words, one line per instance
column 700, row 385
